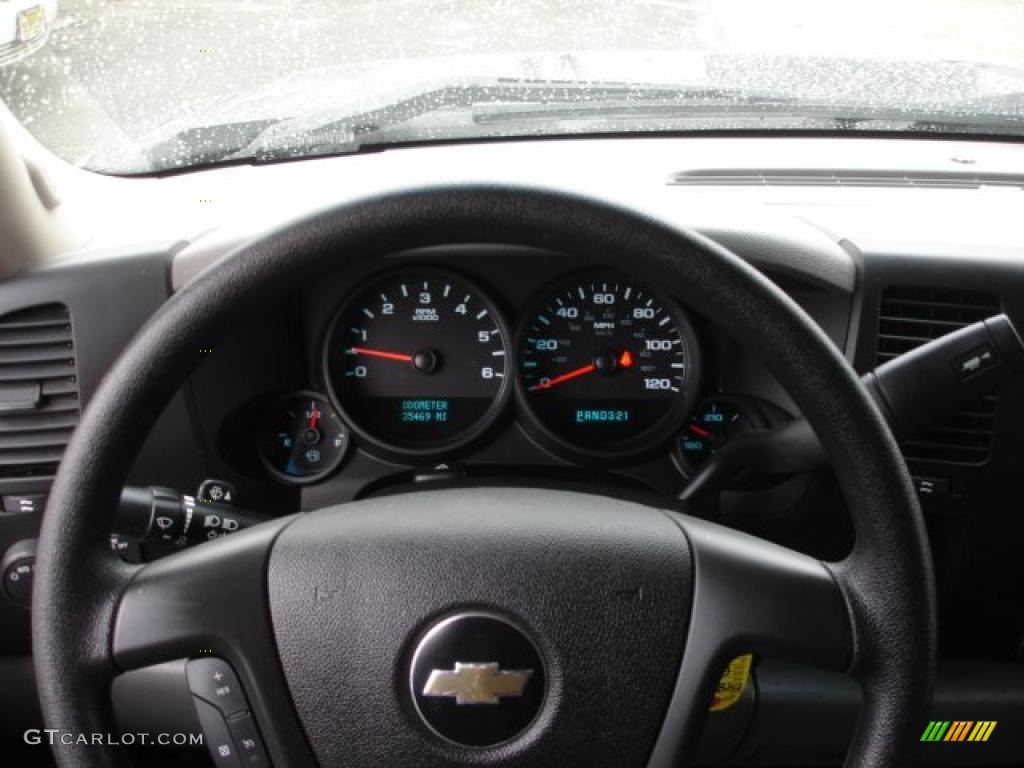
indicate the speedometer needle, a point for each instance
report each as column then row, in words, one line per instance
column 582, row 371
column 381, row 353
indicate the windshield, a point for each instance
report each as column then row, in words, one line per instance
column 141, row 86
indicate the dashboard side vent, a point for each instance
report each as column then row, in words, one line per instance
column 39, row 405
column 912, row 316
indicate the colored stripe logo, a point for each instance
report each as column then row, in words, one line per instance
column 958, row 730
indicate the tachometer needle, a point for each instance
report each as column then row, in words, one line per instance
column 381, row 353
column 583, row 371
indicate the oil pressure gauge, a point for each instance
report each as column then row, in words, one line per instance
column 302, row 439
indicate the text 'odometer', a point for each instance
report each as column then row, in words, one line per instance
column 608, row 367
column 417, row 361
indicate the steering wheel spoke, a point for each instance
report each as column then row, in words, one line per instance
column 210, row 602
column 199, row 601
column 749, row 596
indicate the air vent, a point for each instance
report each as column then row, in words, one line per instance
column 39, row 404
column 910, row 317
column 740, row 177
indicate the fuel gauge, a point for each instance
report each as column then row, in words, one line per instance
column 302, row 439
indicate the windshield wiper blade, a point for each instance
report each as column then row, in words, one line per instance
column 341, row 131
column 508, row 102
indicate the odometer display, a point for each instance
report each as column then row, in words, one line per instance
column 608, row 367
column 417, row 361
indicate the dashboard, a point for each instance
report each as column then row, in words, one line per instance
column 487, row 364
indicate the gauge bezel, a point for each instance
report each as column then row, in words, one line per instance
column 394, row 450
column 652, row 440
column 270, row 412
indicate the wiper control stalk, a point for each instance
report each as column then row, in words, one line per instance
column 165, row 516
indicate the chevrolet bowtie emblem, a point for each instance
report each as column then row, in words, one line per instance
column 477, row 683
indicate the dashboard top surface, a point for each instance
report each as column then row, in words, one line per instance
column 210, row 212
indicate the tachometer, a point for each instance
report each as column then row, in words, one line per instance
column 608, row 367
column 417, row 362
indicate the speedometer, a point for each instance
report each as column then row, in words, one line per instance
column 608, row 367
column 416, row 361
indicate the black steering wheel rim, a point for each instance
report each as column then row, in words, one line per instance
column 886, row 581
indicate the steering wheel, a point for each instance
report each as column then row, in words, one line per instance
column 615, row 617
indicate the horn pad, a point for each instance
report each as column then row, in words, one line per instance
column 551, row 622
column 464, row 693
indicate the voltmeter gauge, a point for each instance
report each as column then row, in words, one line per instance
column 302, row 439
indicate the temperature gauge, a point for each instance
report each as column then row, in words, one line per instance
column 716, row 422
column 302, row 439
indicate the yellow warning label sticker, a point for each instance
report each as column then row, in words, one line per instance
column 732, row 684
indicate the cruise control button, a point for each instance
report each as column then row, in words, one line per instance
column 248, row 741
column 215, row 681
column 216, row 736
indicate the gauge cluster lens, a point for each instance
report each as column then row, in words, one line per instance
column 302, row 438
column 607, row 366
column 417, row 361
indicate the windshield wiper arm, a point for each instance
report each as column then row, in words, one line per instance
column 516, row 101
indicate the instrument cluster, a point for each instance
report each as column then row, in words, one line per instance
column 419, row 363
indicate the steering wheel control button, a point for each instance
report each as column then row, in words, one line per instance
column 477, row 680
column 229, row 729
column 214, row 681
column 248, row 742
column 216, row 736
